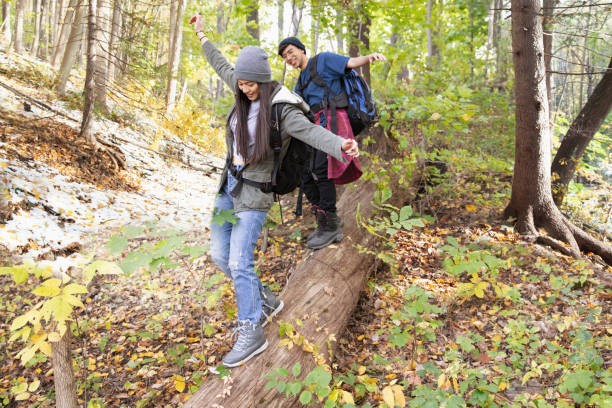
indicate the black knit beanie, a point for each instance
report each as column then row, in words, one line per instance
column 290, row 41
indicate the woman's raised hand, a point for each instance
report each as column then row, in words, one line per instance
column 198, row 22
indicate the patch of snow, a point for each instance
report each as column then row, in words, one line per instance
column 56, row 212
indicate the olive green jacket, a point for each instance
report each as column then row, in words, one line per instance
column 294, row 123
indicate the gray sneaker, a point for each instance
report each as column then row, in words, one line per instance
column 271, row 305
column 251, row 341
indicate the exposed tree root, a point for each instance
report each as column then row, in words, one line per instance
column 563, row 236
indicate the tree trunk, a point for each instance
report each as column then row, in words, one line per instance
column 90, row 85
column 548, row 25
column 37, row 24
column 296, row 17
column 174, row 55
column 580, row 134
column 102, row 38
column 433, row 53
column 63, row 376
column 6, row 21
column 531, row 202
column 53, row 17
column 19, row 12
column 115, row 36
column 321, row 292
column 339, row 31
column 361, row 23
column 64, row 32
column 72, row 47
column 252, row 21
column 280, row 19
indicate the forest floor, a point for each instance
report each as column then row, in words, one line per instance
column 513, row 330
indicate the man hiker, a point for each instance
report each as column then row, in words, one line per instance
column 319, row 188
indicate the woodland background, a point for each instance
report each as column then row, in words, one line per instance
column 484, row 211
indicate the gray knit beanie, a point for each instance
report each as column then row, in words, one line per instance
column 252, row 65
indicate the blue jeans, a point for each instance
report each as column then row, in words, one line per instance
column 232, row 248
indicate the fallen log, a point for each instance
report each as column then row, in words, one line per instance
column 321, row 292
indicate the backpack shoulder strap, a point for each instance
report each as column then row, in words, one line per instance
column 314, row 75
column 276, row 141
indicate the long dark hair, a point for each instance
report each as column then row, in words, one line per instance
column 262, row 132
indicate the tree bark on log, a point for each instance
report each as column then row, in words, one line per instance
column 321, row 292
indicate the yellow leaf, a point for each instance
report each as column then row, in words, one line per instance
column 503, row 386
column 479, row 289
column 308, row 347
column 45, row 347
column 455, row 385
column 347, row 398
column 387, row 395
column 361, row 370
column 22, row 397
column 74, row 289
column 46, row 291
column 179, row 383
column 19, row 322
column 434, row 116
column 34, row 385
column 443, row 382
column 26, row 354
column 334, row 395
column 471, row 208
column 54, row 337
column 286, row 343
column 398, row 396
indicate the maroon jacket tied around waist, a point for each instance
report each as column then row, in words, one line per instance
column 341, row 173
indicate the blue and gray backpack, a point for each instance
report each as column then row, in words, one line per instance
column 356, row 98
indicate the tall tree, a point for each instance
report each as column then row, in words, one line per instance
column 6, row 21
column 71, row 47
column 64, row 32
column 531, row 201
column 38, row 16
column 102, row 37
column 548, row 25
column 115, row 36
column 19, row 16
column 252, row 20
column 580, row 134
column 433, row 52
column 90, row 75
column 360, row 22
column 174, row 54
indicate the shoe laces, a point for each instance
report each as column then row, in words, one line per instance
column 242, row 331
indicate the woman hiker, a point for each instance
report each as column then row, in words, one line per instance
column 250, row 157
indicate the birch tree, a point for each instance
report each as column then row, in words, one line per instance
column 72, row 47
column 174, row 54
column 102, row 38
column 6, row 21
column 19, row 15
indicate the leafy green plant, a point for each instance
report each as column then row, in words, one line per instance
column 481, row 266
column 315, row 387
column 414, row 320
